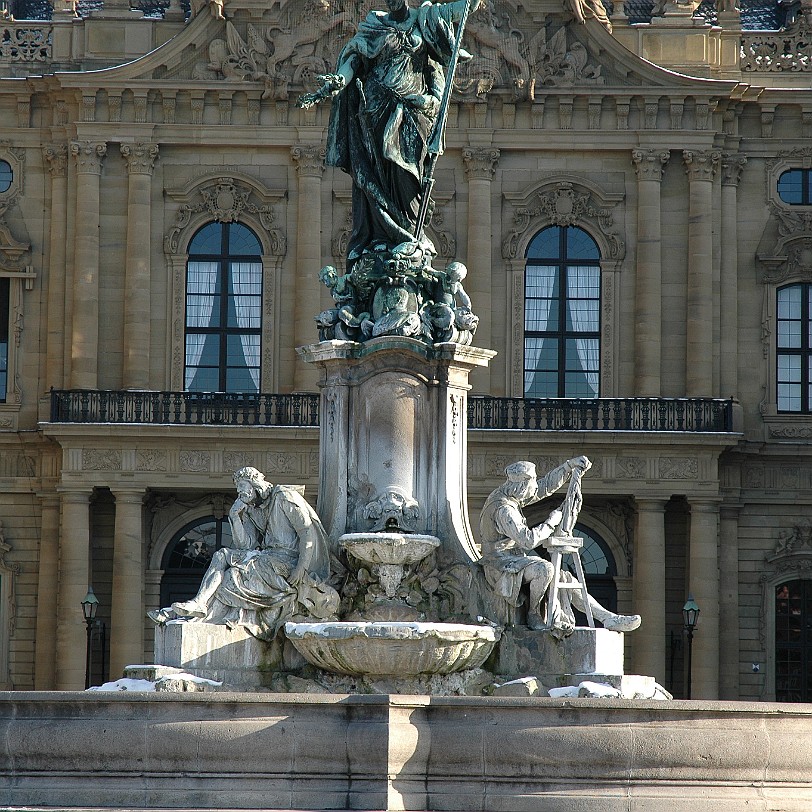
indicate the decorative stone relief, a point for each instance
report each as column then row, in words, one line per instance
column 282, row 463
column 11, row 248
column 786, row 51
column 234, row 460
column 677, row 468
column 100, row 459
column 25, row 42
column 563, row 203
column 392, row 510
column 225, row 199
column 151, row 460
column 791, row 558
column 631, row 467
column 140, row 157
column 195, row 461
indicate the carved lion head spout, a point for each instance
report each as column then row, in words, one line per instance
column 393, row 511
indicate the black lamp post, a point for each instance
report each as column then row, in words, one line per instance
column 690, row 617
column 89, row 607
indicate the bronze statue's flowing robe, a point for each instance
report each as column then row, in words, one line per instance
column 378, row 132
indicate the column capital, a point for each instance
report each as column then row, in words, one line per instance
column 650, row 505
column 309, row 159
column 732, row 166
column 89, row 156
column 649, row 163
column 701, row 164
column 480, row 162
column 128, row 495
column 704, row 504
column 56, row 155
column 74, row 495
column 140, row 157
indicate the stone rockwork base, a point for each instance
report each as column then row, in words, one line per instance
column 135, row 752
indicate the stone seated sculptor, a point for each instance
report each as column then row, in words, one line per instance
column 276, row 570
column 509, row 557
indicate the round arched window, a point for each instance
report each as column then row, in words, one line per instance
column 6, row 176
column 188, row 555
column 223, row 310
column 562, row 315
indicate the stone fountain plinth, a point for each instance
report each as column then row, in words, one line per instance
column 393, row 422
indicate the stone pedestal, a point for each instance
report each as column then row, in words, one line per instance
column 230, row 656
column 585, row 653
column 394, row 429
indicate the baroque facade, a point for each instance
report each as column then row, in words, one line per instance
column 632, row 200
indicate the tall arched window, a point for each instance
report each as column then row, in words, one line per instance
column 793, row 641
column 188, row 556
column 794, row 347
column 223, row 310
column 562, row 314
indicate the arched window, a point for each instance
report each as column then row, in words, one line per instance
column 794, row 348
column 6, row 176
column 223, row 310
column 5, row 290
column 562, row 314
column 188, row 556
column 599, row 567
column 795, row 187
column 793, row 641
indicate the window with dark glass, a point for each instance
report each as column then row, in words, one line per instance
column 562, row 314
column 5, row 287
column 793, row 641
column 6, row 176
column 794, row 348
column 188, row 556
column 795, row 187
column 223, row 310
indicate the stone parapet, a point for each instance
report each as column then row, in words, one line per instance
column 255, row 751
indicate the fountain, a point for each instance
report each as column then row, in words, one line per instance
column 381, row 641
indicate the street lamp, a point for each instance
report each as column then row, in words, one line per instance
column 90, row 606
column 690, row 617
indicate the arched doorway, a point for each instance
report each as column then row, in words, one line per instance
column 793, row 641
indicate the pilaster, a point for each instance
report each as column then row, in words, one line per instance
column 89, row 156
column 127, row 610
column 480, row 165
column 729, row 601
column 47, row 592
column 649, row 166
column 140, row 160
column 649, row 588
column 56, row 158
column 309, row 161
column 74, row 578
column 703, row 584
column 700, row 166
column 732, row 167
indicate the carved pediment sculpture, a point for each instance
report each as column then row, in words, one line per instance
column 564, row 202
column 225, row 199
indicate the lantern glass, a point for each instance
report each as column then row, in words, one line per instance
column 690, row 613
column 90, row 604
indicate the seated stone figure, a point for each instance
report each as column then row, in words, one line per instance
column 276, row 569
column 509, row 559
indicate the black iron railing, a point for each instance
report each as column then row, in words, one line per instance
column 601, row 414
column 184, row 408
column 533, row 414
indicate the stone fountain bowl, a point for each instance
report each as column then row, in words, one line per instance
column 395, row 648
column 389, row 548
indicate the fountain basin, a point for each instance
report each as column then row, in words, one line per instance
column 389, row 548
column 402, row 649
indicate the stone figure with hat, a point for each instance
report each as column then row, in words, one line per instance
column 509, row 558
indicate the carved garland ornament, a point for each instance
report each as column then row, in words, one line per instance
column 566, row 204
column 225, row 199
